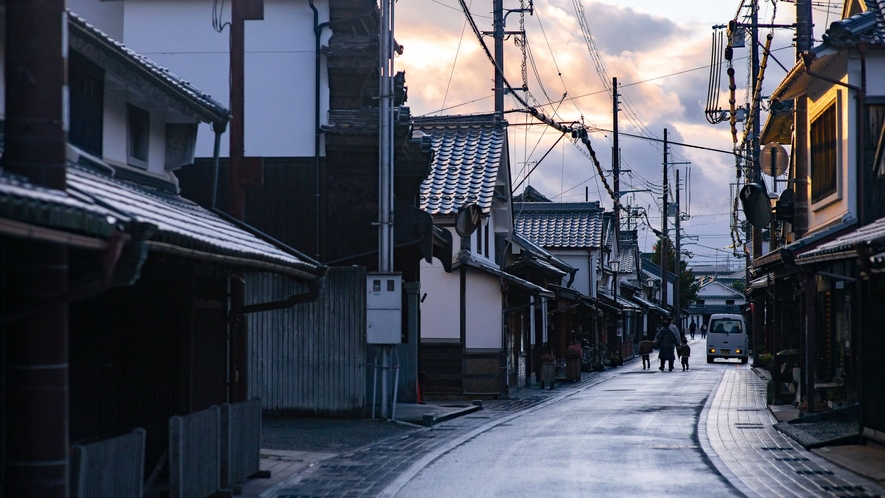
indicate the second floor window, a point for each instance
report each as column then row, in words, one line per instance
column 823, row 155
column 139, row 127
column 86, row 87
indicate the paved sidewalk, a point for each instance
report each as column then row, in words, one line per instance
column 737, row 432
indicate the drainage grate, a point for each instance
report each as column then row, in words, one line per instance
column 791, row 459
column 814, row 472
column 617, row 390
column 749, row 409
column 777, row 448
column 744, row 425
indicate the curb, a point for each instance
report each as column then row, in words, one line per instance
column 430, row 420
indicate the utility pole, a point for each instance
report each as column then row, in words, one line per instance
column 499, row 59
column 758, row 302
column 616, row 160
column 664, row 256
column 385, row 173
column 677, row 270
column 800, row 216
column 243, row 171
column 616, row 174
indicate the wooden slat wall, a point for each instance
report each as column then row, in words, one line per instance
column 309, row 359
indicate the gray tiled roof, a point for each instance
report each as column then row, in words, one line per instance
column 560, row 225
column 468, row 150
column 183, row 224
column 867, row 26
column 26, row 203
column 86, row 37
column 873, row 233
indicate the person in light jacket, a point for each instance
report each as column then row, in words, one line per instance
column 666, row 340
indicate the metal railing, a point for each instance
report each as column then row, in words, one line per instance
column 240, row 441
column 113, row 468
column 194, row 454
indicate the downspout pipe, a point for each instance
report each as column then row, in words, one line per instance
column 317, row 33
column 313, row 287
column 219, row 129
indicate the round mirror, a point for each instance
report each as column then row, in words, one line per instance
column 468, row 219
column 775, row 157
column 757, row 206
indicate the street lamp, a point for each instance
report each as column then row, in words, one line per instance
column 615, row 265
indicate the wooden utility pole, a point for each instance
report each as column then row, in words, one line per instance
column 243, row 171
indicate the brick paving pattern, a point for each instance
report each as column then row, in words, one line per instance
column 759, row 460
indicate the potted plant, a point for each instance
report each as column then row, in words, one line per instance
column 573, row 356
column 548, row 370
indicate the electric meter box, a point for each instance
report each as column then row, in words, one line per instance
column 384, row 308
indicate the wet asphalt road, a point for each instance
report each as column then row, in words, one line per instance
column 635, row 434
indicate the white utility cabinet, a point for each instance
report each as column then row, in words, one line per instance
column 384, row 308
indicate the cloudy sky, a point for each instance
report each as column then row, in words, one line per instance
column 659, row 51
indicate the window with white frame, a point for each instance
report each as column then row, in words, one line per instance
column 138, row 124
column 824, row 140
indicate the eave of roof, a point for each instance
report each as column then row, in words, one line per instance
column 177, row 93
column 872, row 235
column 525, row 284
column 184, row 228
column 28, row 204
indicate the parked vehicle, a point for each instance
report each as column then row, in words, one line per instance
column 727, row 337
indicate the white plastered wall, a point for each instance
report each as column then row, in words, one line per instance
column 484, row 305
column 440, row 311
column 279, row 103
column 821, row 95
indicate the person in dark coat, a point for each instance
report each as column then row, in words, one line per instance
column 666, row 340
column 691, row 328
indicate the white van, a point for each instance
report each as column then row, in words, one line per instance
column 727, row 337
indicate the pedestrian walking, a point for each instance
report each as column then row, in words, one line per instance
column 645, row 349
column 666, row 340
column 691, row 328
column 703, row 331
column 684, row 352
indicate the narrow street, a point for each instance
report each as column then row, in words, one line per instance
column 635, row 434
column 622, row 432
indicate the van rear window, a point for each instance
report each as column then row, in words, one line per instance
column 725, row 327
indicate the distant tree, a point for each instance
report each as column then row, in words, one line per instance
column 739, row 285
column 688, row 285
